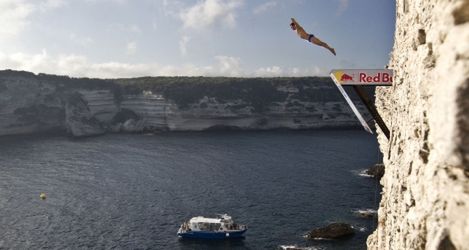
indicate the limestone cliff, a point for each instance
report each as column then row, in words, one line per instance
column 32, row 103
column 425, row 202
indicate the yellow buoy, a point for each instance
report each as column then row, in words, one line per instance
column 42, row 196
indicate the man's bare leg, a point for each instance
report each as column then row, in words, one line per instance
column 318, row 42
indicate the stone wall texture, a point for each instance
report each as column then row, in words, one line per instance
column 425, row 202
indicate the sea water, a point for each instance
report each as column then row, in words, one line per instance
column 130, row 191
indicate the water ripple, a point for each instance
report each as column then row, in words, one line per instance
column 133, row 191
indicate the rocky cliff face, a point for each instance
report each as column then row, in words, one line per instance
column 34, row 103
column 425, row 203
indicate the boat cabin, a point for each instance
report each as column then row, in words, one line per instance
column 223, row 223
column 211, row 228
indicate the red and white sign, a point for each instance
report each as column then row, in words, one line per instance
column 366, row 77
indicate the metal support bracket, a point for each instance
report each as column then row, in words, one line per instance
column 357, row 78
column 372, row 109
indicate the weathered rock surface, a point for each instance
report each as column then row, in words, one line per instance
column 376, row 171
column 32, row 103
column 425, row 202
column 78, row 118
column 331, row 231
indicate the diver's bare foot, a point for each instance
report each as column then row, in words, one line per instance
column 332, row 50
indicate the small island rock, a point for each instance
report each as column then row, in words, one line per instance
column 331, row 231
column 377, row 171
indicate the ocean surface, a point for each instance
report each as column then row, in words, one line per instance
column 127, row 191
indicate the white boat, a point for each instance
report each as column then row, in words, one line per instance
column 295, row 247
column 221, row 227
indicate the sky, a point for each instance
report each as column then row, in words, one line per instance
column 243, row 38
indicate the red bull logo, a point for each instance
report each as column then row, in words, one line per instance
column 363, row 77
column 346, row 77
column 379, row 77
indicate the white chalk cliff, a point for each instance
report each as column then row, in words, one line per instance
column 32, row 103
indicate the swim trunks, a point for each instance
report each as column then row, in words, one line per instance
column 309, row 37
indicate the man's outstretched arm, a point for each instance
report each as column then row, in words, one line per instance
column 295, row 22
column 299, row 30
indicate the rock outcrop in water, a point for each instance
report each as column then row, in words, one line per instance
column 331, row 231
column 425, row 202
column 376, row 171
column 32, row 103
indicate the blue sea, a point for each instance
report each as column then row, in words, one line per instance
column 129, row 191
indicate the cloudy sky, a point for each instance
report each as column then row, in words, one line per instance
column 129, row 38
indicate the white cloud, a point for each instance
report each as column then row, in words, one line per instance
column 26, row 62
column 343, row 6
column 80, row 40
column 264, row 7
column 172, row 8
column 269, row 71
column 275, row 71
column 228, row 66
column 14, row 17
column 317, row 71
column 112, row 1
column 311, row 71
column 135, row 28
column 131, row 48
column 80, row 66
column 183, row 45
column 120, row 27
column 154, row 25
column 51, row 4
column 210, row 12
column 74, row 65
column 15, row 14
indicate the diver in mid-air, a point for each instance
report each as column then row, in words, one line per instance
column 309, row 37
